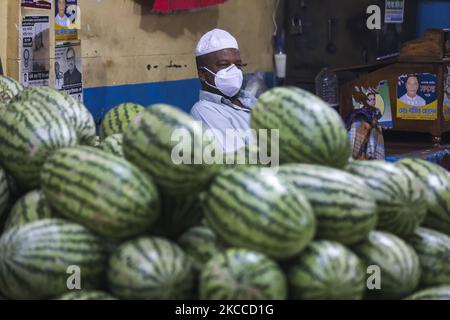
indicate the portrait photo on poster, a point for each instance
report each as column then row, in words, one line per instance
column 416, row 96
column 68, row 68
column 446, row 101
column 66, row 20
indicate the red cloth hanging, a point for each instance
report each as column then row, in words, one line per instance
column 165, row 6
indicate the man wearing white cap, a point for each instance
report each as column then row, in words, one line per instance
column 223, row 107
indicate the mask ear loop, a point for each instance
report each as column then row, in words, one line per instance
column 205, row 81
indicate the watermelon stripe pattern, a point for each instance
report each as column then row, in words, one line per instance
column 433, row 249
column 150, row 269
column 118, row 118
column 342, row 204
column 113, row 145
column 31, row 207
column 29, row 132
column 9, row 88
column 87, row 295
column 34, row 259
column 327, row 270
column 435, row 293
column 400, row 197
column 399, row 264
column 437, row 187
column 201, row 245
column 253, row 208
column 104, row 192
column 4, row 191
column 310, row 131
column 242, row 275
column 73, row 111
column 148, row 143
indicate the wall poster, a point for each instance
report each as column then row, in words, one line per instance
column 68, row 69
column 37, row 4
column 416, row 97
column 67, row 20
column 447, row 95
column 34, row 50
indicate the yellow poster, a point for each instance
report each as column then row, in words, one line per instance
column 417, row 99
column 67, row 20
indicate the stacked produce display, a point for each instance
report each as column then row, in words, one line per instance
column 132, row 223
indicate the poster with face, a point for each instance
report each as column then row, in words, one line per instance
column 37, row 4
column 375, row 97
column 68, row 69
column 447, row 95
column 67, row 20
column 35, row 50
column 416, row 97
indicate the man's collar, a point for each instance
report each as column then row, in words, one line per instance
column 244, row 96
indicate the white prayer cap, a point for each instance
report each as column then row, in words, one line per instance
column 216, row 40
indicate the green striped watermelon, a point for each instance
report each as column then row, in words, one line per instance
column 104, row 192
column 113, row 145
column 256, row 209
column 433, row 249
column 398, row 262
column 201, row 244
column 435, row 293
column 437, row 187
column 67, row 106
column 29, row 132
column 87, row 295
column 150, row 269
column 149, row 142
column 4, row 191
column 118, row 118
column 178, row 214
column 400, row 197
column 242, row 275
column 9, row 88
column 327, row 271
column 309, row 130
column 96, row 142
column 342, row 203
column 31, row 207
column 34, row 259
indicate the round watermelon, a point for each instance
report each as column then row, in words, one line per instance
column 31, row 207
column 342, row 203
column 435, row 293
column 101, row 191
column 86, row 295
column 309, row 130
column 38, row 260
column 242, row 275
column 4, row 191
column 254, row 208
column 433, row 249
column 400, row 197
column 437, row 190
column 118, row 118
column 113, row 144
column 327, row 271
column 9, row 88
column 399, row 264
column 150, row 269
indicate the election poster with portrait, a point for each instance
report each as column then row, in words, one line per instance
column 37, row 4
column 35, row 50
column 447, row 95
column 68, row 69
column 417, row 97
column 67, row 20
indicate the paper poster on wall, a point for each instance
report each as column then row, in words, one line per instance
column 37, row 4
column 447, row 95
column 395, row 11
column 68, row 69
column 67, row 20
column 417, row 99
column 375, row 98
column 34, row 50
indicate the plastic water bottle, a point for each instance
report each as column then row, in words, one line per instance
column 327, row 87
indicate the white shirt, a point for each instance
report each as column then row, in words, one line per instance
column 223, row 118
column 417, row 101
column 63, row 22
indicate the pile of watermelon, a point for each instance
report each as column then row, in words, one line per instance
column 115, row 217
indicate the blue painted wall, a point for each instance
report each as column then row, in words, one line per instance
column 433, row 14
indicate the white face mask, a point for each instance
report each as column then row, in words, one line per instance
column 228, row 81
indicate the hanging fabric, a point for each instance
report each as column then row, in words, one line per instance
column 167, row 6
